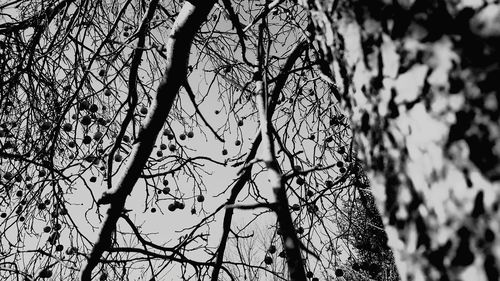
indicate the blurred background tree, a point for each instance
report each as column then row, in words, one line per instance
column 417, row 81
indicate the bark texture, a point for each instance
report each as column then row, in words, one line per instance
column 418, row 79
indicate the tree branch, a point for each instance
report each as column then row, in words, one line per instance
column 193, row 100
column 189, row 20
column 228, row 215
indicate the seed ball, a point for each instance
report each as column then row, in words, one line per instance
column 97, row 136
column 67, row 127
column 86, row 120
column 84, row 105
column 46, row 273
column 329, row 183
column 268, row 260
column 300, row 181
column 93, row 108
column 272, row 249
column 339, row 272
column 70, row 251
column 300, row 230
column 8, row 176
column 312, row 208
column 87, row 140
column 172, row 207
column 45, row 126
column 118, row 157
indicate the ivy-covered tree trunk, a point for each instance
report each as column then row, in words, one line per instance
column 419, row 80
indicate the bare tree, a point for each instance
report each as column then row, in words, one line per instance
column 88, row 121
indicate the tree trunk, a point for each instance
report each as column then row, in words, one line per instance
column 291, row 242
column 189, row 20
column 419, row 80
